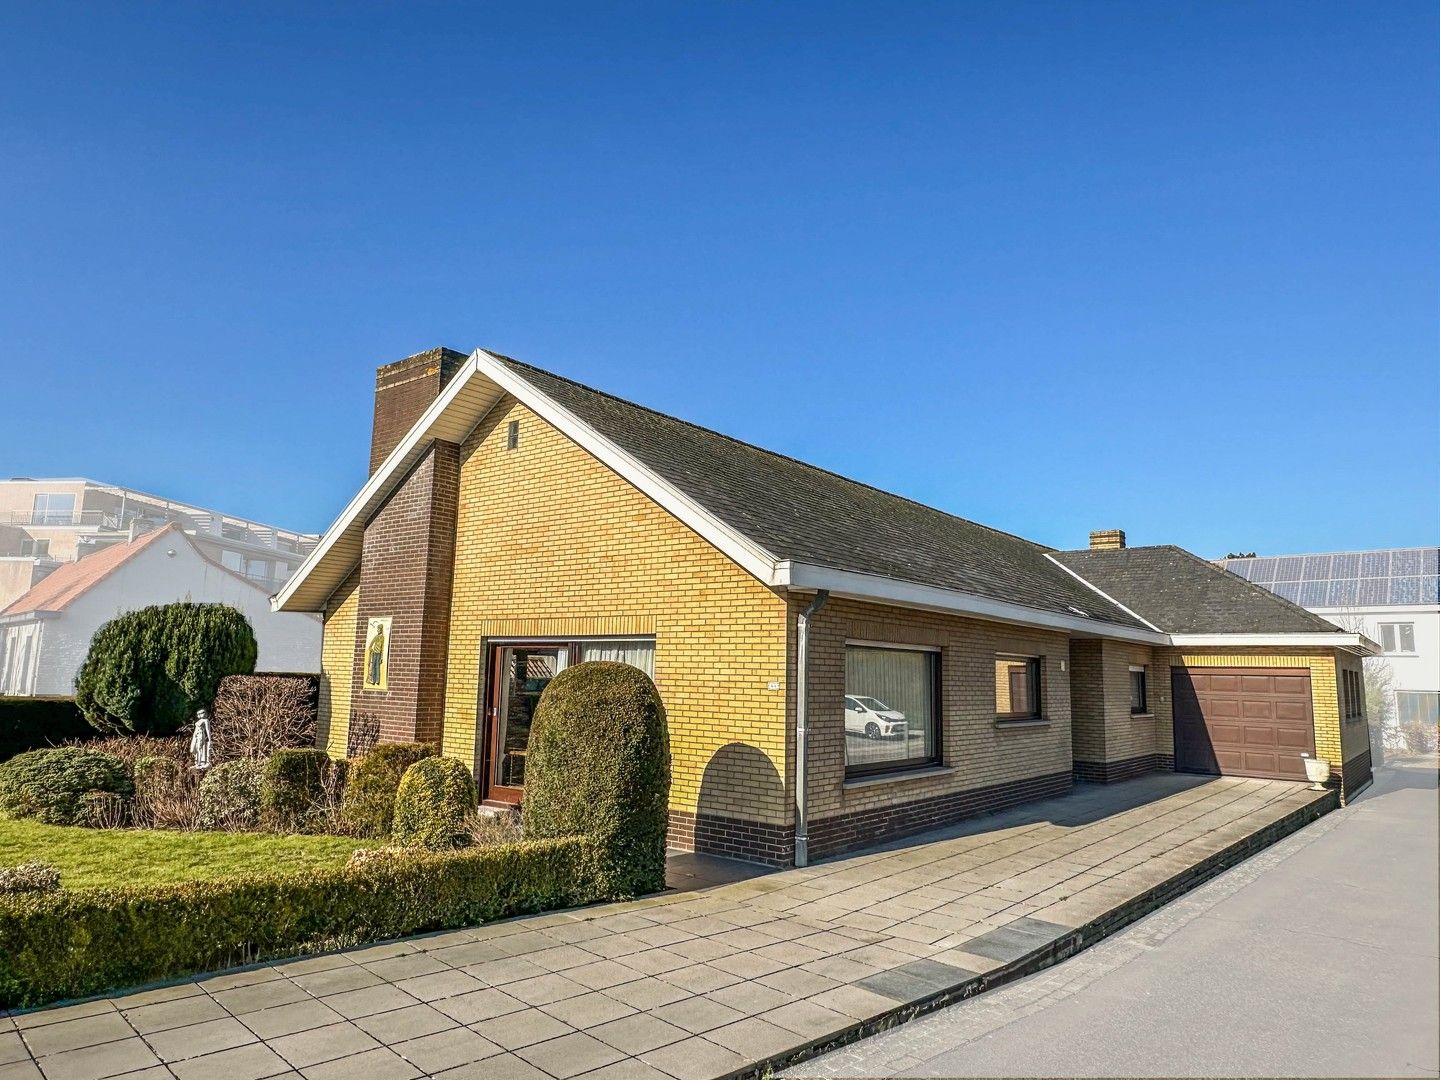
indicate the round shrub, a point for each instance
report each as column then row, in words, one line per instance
column 433, row 805
column 230, row 796
column 147, row 671
column 369, row 803
column 292, row 790
column 47, row 784
column 599, row 766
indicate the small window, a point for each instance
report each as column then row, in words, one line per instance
column 1017, row 687
column 37, row 549
column 892, row 708
column 1397, row 638
column 1139, row 704
column 512, row 435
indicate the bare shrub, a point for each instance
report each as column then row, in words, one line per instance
column 255, row 715
column 131, row 748
column 167, row 794
column 488, row 830
column 103, row 810
column 364, row 734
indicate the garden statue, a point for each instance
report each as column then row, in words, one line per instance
column 200, row 741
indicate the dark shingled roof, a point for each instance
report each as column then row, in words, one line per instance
column 1181, row 593
column 806, row 514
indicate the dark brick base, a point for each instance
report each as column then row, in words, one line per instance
column 733, row 838
column 1355, row 775
column 849, row 831
column 1109, row 772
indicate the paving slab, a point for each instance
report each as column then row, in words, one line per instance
column 738, row 971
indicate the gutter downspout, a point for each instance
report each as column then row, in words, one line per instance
column 802, row 735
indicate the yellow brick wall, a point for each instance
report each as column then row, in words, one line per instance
column 1324, row 696
column 337, row 667
column 979, row 751
column 551, row 542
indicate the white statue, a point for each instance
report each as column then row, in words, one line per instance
column 200, row 741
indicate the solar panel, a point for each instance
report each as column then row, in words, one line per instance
column 1348, row 578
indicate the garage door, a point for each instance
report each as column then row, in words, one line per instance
column 1243, row 721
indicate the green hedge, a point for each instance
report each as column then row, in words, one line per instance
column 369, row 803
column 436, row 797
column 71, row 944
column 28, row 723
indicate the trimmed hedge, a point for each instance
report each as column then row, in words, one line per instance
column 29, row 723
column 435, row 800
column 369, row 803
column 148, row 670
column 292, row 790
column 47, row 784
column 599, row 766
column 71, row 944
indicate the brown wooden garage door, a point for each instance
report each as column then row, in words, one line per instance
column 1243, row 721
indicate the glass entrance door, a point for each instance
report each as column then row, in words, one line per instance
column 521, row 673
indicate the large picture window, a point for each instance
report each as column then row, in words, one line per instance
column 1017, row 687
column 892, row 707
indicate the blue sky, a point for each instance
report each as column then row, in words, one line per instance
column 1054, row 267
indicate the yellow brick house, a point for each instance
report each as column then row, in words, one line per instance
column 838, row 664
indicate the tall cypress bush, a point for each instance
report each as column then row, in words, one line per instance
column 149, row 670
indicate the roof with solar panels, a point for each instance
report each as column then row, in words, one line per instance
column 1399, row 577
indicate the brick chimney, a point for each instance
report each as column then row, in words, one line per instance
column 1107, row 540
column 404, row 390
column 407, row 562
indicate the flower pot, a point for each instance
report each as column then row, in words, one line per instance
column 1318, row 772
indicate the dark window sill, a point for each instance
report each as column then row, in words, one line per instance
column 912, row 772
column 1005, row 722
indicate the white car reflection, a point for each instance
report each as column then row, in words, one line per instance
column 872, row 718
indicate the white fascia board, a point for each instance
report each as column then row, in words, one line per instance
column 1379, row 614
column 1358, row 643
column 858, row 586
column 749, row 555
column 1101, row 592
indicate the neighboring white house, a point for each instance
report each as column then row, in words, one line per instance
column 45, row 633
column 1390, row 596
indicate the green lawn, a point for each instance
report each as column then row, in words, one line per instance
column 91, row 858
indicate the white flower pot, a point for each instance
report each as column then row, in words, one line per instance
column 1318, row 772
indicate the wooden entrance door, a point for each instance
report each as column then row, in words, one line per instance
column 519, row 674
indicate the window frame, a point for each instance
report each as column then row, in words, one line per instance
column 1400, row 631
column 936, row 673
column 1037, row 689
column 1144, row 673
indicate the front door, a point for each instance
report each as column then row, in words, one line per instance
column 520, row 674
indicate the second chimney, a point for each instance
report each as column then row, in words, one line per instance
column 404, row 390
column 1107, row 540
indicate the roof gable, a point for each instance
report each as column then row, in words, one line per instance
column 67, row 583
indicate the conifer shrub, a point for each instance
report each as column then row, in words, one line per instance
column 47, row 784
column 598, row 766
column 230, row 796
column 147, row 671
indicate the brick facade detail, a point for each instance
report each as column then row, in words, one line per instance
column 1111, row 772
column 406, row 572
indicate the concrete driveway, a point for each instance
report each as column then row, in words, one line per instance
column 1317, row 957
